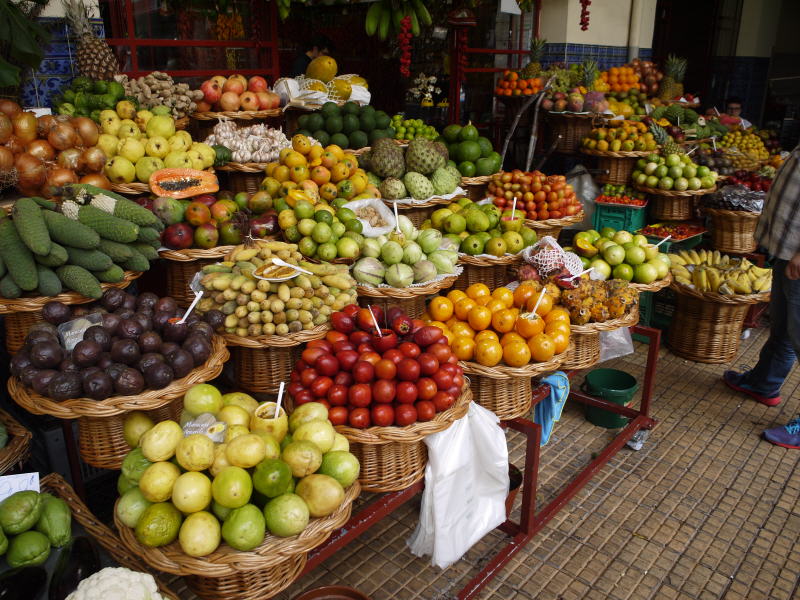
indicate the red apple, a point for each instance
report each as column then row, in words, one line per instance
column 178, row 236
column 257, row 84
column 233, row 85
column 249, row 101
column 211, row 91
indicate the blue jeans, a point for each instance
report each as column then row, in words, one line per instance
column 783, row 346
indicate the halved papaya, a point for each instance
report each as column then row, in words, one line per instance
column 183, row 183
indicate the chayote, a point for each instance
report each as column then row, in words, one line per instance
column 20, row 511
column 55, row 521
column 3, row 543
column 28, row 549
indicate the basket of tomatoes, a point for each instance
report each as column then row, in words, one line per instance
column 388, row 388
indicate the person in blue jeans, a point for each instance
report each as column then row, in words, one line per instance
column 779, row 232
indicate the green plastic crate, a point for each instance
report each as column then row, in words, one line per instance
column 619, row 216
column 686, row 244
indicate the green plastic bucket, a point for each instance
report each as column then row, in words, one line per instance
column 611, row 385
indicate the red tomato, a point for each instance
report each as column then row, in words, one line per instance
column 454, row 392
column 294, row 377
column 382, row 415
column 458, row 381
column 426, row 410
column 310, row 355
column 342, row 323
column 405, row 414
column 337, row 395
column 406, row 392
column 410, row 349
column 327, row 364
column 303, row 396
column 359, row 418
column 383, row 391
column 321, row 386
column 337, row 415
column 442, row 401
column 343, row 378
column 347, row 359
column 363, row 372
column 300, row 365
column 360, row 395
column 443, row 379
column 359, row 337
column 342, row 346
column 365, row 348
column 394, row 355
column 408, row 370
column 452, row 369
column 385, row 369
column 426, row 388
column 428, row 364
column 351, row 309
column 294, row 387
column 441, row 351
column 370, row 356
column 324, row 344
column 307, row 377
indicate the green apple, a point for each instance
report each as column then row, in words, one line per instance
column 600, row 268
column 157, row 146
column 178, row 144
column 120, row 170
column 108, row 144
column 206, row 152
column 161, row 126
column 110, row 122
column 131, row 148
column 146, row 166
column 177, row 160
column 197, row 160
column 128, row 128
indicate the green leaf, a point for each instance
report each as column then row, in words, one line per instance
column 9, row 74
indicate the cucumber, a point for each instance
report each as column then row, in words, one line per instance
column 49, row 283
column 17, row 257
column 30, row 225
column 46, row 204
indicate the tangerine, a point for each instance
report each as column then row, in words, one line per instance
column 511, row 336
column 542, row 347
column 503, row 320
column 463, row 307
column 455, row 295
column 462, row 328
column 476, row 290
column 516, row 354
column 488, row 352
column 479, row 318
column 441, row 308
column 560, row 340
column 463, row 347
column 528, row 327
column 505, row 295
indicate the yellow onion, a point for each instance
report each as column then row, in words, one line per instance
column 6, row 160
column 25, row 126
column 72, row 159
column 30, row 170
column 56, row 179
column 10, row 108
column 62, row 136
column 94, row 159
column 44, row 124
column 6, row 128
column 96, row 179
column 88, row 132
column 41, row 149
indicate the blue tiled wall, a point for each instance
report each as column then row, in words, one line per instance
column 606, row 56
column 57, row 68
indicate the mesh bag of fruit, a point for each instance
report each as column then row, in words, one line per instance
column 549, row 258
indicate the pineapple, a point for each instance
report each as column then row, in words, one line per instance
column 667, row 144
column 672, row 83
column 94, row 57
column 534, row 67
column 589, row 74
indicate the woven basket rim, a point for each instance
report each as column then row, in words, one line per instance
column 137, row 188
column 571, row 115
column 409, row 292
column 236, row 114
column 739, row 214
column 679, row 288
column 36, row 303
column 103, row 535
column 550, row 223
column 182, row 122
column 674, row 193
column 193, row 254
column 278, row 341
column 530, row 370
column 627, row 320
column 653, row 287
column 76, row 408
column 427, row 203
column 612, row 154
column 19, row 442
column 226, row 561
column 487, row 261
column 250, row 167
column 410, row 433
column 477, row 180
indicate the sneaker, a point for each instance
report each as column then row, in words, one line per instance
column 734, row 381
column 785, row 436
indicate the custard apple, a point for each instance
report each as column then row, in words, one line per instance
column 386, row 159
column 443, row 182
column 419, row 186
column 454, row 172
column 422, row 157
column 393, row 189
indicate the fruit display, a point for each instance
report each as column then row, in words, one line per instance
column 621, row 79
column 574, row 89
column 384, row 17
column 410, row 129
column 750, row 180
column 715, row 159
column 86, row 98
column 513, row 83
column 93, row 236
column 593, row 301
column 621, row 194
column 210, row 220
column 159, row 89
column 250, row 296
column 539, row 196
column 33, row 523
column 771, row 140
column 257, row 143
column 321, row 77
column 672, row 172
column 649, row 75
column 627, row 103
column 473, row 153
column 707, row 271
column 675, row 231
column 499, row 326
column 746, row 142
column 419, row 171
column 93, row 57
column 686, row 122
column 234, row 93
column 347, row 126
column 534, row 65
column 481, row 228
column 620, row 255
column 125, row 345
column 236, row 472
column 397, row 375
column 405, row 257
column 671, row 85
column 620, row 136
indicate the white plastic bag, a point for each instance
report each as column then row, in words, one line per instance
column 384, row 211
column 466, row 484
column 616, row 343
column 586, row 190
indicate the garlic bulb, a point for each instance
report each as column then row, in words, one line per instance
column 252, row 144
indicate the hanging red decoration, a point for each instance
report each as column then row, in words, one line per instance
column 404, row 42
column 585, row 4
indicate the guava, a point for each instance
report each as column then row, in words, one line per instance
column 200, row 534
column 286, row 515
column 321, row 493
column 303, row 457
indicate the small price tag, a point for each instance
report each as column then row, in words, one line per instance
column 11, row 484
column 208, row 425
column 72, row 332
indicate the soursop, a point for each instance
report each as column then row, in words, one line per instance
column 422, row 157
column 443, row 182
column 454, row 172
column 386, row 159
column 441, row 149
column 393, row 189
column 419, row 186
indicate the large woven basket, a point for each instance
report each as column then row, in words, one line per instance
column 657, row 285
column 101, row 442
column 706, row 326
column 671, row 208
column 507, row 391
column 585, row 351
column 394, row 458
column 419, row 210
column 16, row 451
column 615, row 167
column 476, row 186
column 201, row 124
column 553, row 227
column 494, row 271
column 231, row 574
column 733, row 230
column 55, row 485
column 183, row 265
column 22, row 313
column 243, row 177
column 411, row 299
column 568, row 130
column 260, row 364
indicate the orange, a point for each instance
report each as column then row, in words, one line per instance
column 455, row 295
column 503, row 320
column 478, row 289
column 479, row 318
column 483, row 300
column 505, row 295
column 560, row 340
column 452, row 321
column 557, row 314
column 463, row 307
column 463, row 347
column 529, row 327
column 463, row 329
column 441, row 308
column 509, row 337
column 542, row 347
column 495, row 305
column 557, row 326
column 488, row 353
column 486, row 334
column 517, row 354
column 522, row 293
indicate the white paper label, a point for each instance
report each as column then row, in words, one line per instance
column 11, row 484
column 72, row 332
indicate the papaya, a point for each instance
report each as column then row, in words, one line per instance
column 183, row 183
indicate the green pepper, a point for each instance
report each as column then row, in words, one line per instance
column 81, row 101
column 108, row 101
column 95, row 115
column 67, row 109
column 99, row 87
column 115, row 88
column 81, row 84
column 69, row 95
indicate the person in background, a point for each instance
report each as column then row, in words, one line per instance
column 779, row 232
column 733, row 106
column 318, row 45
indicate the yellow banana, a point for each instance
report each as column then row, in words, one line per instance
column 702, row 254
column 760, row 271
column 726, row 289
column 676, row 260
column 681, row 271
column 686, row 257
column 683, row 280
column 725, row 260
column 714, row 279
column 746, row 264
column 700, row 280
column 695, row 257
column 717, row 257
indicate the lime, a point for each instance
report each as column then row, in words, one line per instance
column 286, row 515
column 354, row 225
column 271, row 477
column 158, row 525
column 323, row 216
column 232, row 487
column 244, row 528
column 345, row 214
column 199, row 534
column 306, row 226
column 303, row 209
column 191, row 492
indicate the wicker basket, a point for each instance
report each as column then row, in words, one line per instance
column 615, row 167
column 22, row 313
column 706, row 326
column 586, row 340
column 55, row 485
column 261, row 363
column 419, row 210
column 235, row 575
column 571, row 128
column 553, row 227
column 183, row 265
column 506, row 391
column 394, row 458
column 18, row 448
column 181, row 123
column 476, row 186
column 494, row 271
column 671, row 208
column 733, row 230
column 243, row 177
column 101, row 441
column 653, row 287
column 411, row 299
column 201, row 124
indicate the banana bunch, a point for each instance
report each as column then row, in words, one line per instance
column 710, row 271
column 384, row 16
column 284, row 7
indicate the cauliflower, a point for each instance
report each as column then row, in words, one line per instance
column 117, row 583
